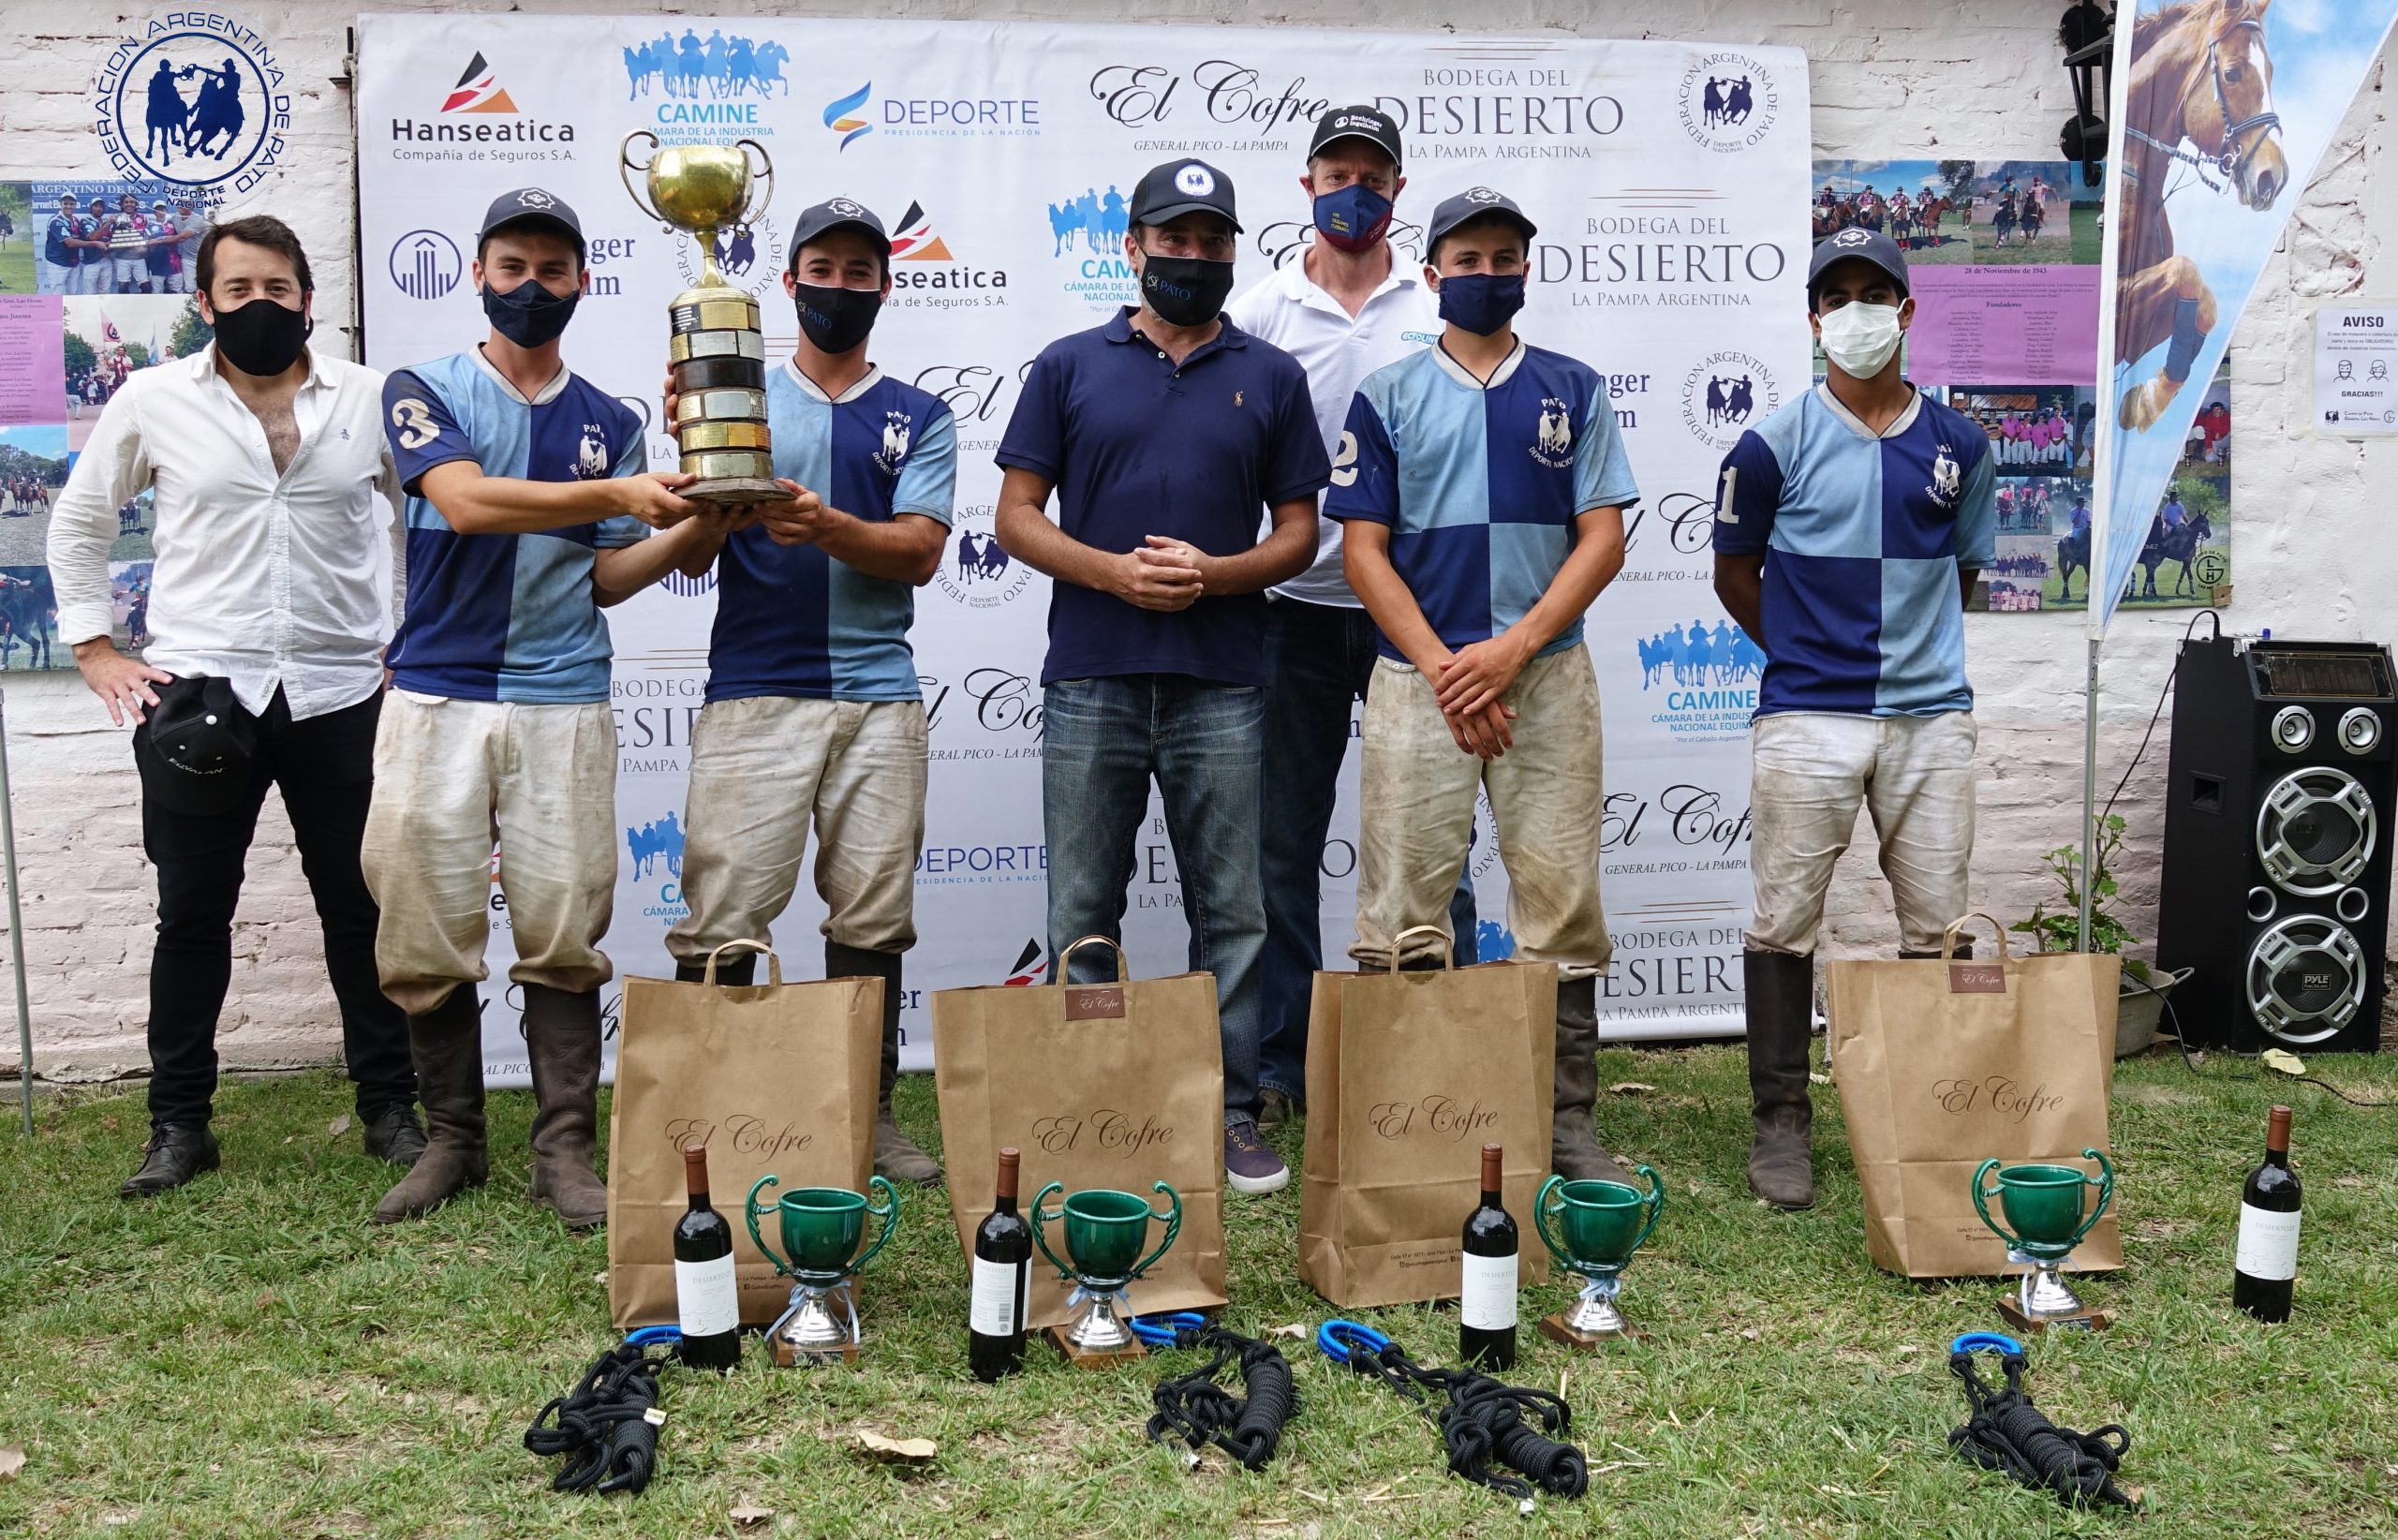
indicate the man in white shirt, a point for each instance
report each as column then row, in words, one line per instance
column 1345, row 306
column 274, row 593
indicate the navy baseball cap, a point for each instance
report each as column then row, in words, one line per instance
column 1870, row 246
column 1370, row 123
column 834, row 213
column 1473, row 203
column 1180, row 187
column 531, row 206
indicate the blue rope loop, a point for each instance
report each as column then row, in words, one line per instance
column 1337, row 1339
column 1166, row 1328
column 653, row 1336
column 1995, row 1342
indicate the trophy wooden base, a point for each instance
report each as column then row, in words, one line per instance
column 1556, row 1330
column 2087, row 1321
column 1082, row 1357
column 787, row 1357
column 735, row 491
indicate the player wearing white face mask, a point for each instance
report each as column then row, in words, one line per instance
column 1848, row 529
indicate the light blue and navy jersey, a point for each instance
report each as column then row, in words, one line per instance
column 1863, row 539
column 1480, row 485
column 505, row 617
column 791, row 620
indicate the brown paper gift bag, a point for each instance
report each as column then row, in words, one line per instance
column 1408, row 1075
column 1115, row 1086
column 772, row 1078
column 1944, row 1063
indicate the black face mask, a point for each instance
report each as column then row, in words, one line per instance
column 528, row 315
column 836, row 319
column 262, row 337
column 1185, row 290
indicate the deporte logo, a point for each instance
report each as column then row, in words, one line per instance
column 860, row 112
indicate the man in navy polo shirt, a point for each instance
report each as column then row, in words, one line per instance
column 813, row 712
column 1165, row 434
column 1848, row 529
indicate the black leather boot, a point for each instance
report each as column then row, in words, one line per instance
column 1781, row 997
column 175, row 1154
column 1574, row 1150
column 895, row 1156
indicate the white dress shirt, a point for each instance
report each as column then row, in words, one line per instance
column 1337, row 351
column 268, row 580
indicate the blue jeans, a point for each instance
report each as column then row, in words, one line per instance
column 1320, row 658
column 1102, row 741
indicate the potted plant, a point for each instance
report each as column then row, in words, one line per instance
column 2142, row 999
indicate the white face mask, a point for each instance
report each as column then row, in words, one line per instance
column 1859, row 339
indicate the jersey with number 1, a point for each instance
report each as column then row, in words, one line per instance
column 505, row 617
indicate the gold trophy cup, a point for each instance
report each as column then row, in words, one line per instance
column 717, row 354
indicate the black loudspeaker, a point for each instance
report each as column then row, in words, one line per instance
column 2277, row 833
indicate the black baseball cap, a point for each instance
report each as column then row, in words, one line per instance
column 202, row 743
column 832, row 214
column 1180, row 187
column 531, row 207
column 1473, row 203
column 1870, row 246
column 1370, row 123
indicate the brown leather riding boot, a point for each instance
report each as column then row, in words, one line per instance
column 1780, row 1008
column 562, row 1043
column 895, row 1156
column 447, row 1044
column 1574, row 1150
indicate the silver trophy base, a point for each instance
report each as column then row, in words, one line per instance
column 1594, row 1318
column 1095, row 1335
column 2043, row 1299
column 820, row 1326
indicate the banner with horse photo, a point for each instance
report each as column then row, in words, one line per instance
column 2226, row 107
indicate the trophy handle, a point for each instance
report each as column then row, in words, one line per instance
column 764, row 173
column 1173, row 1227
column 1981, row 1205
column 888, row 1214
column 1655, row 1202
column 751, row 1209
column 625, row 168
column 1040, row 1237
column 1541, row 1211
column 2105, row 1183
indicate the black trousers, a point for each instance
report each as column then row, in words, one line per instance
column 325, row 769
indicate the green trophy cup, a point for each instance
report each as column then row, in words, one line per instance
column 2050, row 1207
column 1104, row 1233
column 821, row 1228
column 1592, row 1228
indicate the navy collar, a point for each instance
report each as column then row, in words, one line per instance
column 1119, row 329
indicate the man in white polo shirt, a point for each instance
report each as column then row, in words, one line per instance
column 276, row 585
column 1344, row 306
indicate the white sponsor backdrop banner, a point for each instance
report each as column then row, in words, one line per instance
column 1669, row 181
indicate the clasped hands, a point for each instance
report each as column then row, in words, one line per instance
column 1470, row 686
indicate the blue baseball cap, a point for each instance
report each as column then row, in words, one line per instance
column 1870, row 246
column 531, row 206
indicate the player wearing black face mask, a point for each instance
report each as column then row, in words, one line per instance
column 810, row 667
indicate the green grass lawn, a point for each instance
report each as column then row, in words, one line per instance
column 249, row 1357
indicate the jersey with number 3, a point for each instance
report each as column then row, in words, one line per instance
column 505, row 617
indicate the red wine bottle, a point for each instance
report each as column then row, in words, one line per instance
column 1002, row 1268
column 2267, row 1255
column 1487, row 1303
column 707, row 1298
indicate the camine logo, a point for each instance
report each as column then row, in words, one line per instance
column 1724, row 394
column 479, row 91
column 838, row 118
column 1089, row 230
column 425, row 264
column 470, row 114
column 917, row 240
column 656, row 851
column 1729, row 101
column 1709, row 675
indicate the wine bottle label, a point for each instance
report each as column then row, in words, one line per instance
column 2267, row 1243
column 707, row 1299
column 993, row 1311
column 1487, row 1302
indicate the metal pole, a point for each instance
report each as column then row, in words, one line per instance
column 16, row 927
column 2089, row 792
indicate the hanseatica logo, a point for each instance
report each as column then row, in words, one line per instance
column 1709, row 675
column 478, row 90
column 469, row 114
column 425, row 264
column 836, row 115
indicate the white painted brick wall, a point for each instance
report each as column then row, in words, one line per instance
column 1890, row 79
